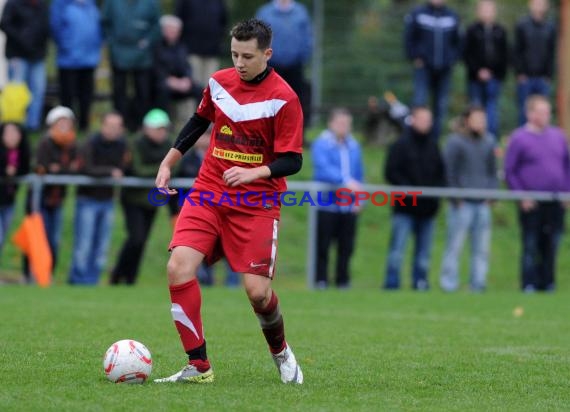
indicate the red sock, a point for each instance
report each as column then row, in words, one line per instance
column 186, row 302
column 272, row 325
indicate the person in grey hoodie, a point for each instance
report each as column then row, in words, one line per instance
column 470, row 163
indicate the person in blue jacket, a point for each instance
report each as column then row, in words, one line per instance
column 433, row 45
column 337, row 159
column 292, row 44
column 76, row 30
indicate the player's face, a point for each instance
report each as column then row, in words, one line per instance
column 248, row 59
column 539, row 114
column 112, row 127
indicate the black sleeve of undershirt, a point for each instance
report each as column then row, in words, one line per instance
column 286, row 164
column 191, row 132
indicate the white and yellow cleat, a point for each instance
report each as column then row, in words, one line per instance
column 288, row 367
column 189, row 374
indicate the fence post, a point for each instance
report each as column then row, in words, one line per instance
column 311, row 243
column 36, row 186
column 317, row 61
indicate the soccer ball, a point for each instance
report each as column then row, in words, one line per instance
column 127, row 361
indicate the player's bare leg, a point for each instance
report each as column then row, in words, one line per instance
column 186, row 304
column 266, row 307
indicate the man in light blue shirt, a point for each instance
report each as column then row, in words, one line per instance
column 337, row 159
column 292, row 44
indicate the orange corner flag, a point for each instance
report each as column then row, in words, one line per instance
column 31, row 239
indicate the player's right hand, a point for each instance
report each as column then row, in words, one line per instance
column 163, row 180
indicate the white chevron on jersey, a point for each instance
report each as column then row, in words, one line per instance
column 243, row 112
column 179, row 315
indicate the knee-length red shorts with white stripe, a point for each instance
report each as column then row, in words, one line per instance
column 248, row 242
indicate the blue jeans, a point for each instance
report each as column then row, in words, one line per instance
column 533, row 85
column 33, row 73
column 6, row 213
column 428, row 80
column 53, row 219
column 473, row 218
column 93, row 225
column 422, row 228
column 486, row 94
column 206, row 275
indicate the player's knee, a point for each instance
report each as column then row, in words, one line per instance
column 258, row 296
column 178, row 273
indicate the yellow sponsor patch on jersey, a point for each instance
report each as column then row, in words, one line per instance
column 237, row 156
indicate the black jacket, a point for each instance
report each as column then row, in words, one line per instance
column 204, row 25
column 26, row 25
column 98, row 157
column 49, row 152
column 415, row 160
column 486, row 49
column 432, row 34
column 8, row 190
column 535, row 47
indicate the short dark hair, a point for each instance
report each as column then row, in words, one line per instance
column 472, row 109
column 253, row 29
column 339, row 111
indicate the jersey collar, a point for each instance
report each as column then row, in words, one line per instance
column 261, row 76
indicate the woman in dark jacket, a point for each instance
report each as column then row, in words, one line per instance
column 14, row 161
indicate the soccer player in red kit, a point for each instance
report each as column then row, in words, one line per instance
column 256, row 142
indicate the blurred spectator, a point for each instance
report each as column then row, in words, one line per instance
column 3, row 61
column 103, row 155
column 76, row 29
column 173, row 74
column 470, row 163
column 413, row 160
column 292, row 44
column 534, row 54
column 537, row 159
column 56, row 154
column 433, row 44
column 337, row 159
column 385, row 118
column 147, row 153
column 204, row 28
column 131, row 29
column 26, row 25
column 189, row 167
column 14, row 161
column 14, row 101
column 486, row 57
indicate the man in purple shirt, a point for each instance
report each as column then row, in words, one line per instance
column 537, row 159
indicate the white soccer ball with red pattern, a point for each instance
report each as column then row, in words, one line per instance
column 127, row 361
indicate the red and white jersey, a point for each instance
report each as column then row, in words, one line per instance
column 253, row 122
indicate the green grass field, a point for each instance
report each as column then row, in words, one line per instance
column 361, row 349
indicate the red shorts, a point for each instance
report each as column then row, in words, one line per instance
column 248, row 242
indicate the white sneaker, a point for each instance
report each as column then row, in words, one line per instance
column 288, row 367
column 189, row 374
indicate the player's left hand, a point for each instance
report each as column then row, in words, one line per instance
column 236, row 175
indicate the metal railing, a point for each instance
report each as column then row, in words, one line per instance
column 37, row 182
